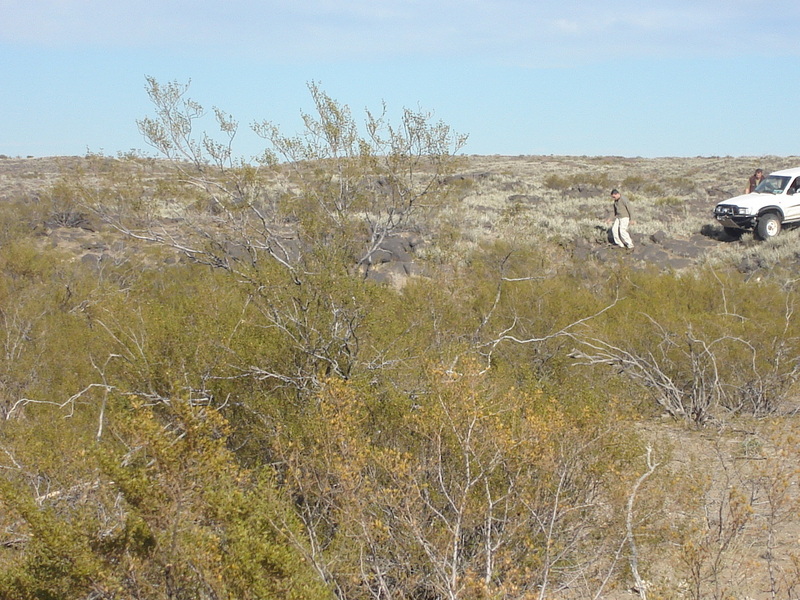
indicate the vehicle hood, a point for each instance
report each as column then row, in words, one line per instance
column 752, row 200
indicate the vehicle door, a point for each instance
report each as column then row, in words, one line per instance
column 791, row 204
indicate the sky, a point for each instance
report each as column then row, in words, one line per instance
column 645, row 78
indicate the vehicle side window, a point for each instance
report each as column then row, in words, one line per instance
column 794, row 187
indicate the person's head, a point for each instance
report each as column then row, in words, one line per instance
column 759, row 173
column 615, row 194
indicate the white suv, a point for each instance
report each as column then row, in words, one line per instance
column 774, row 202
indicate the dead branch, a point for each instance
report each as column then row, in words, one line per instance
column 641, row 585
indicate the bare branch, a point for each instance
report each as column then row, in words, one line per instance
column 641, row 586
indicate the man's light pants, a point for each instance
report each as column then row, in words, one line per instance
column 619, row 230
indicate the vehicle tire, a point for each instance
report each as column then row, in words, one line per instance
column 769, row 225
column 733, row 232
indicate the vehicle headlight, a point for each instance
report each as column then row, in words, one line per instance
column 743, row 211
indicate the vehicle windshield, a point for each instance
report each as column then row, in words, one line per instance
column 772, row 184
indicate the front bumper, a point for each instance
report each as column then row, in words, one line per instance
column 730, row 216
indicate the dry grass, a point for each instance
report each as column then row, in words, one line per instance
column 563, row 197
column 519, row 199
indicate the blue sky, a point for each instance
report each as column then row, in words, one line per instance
column 580, row 77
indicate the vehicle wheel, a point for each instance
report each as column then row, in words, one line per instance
column 769, row 225
column 733, row 232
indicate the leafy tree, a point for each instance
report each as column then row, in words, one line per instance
column 320, row 206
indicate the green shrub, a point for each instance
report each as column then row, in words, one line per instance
column 670, row 202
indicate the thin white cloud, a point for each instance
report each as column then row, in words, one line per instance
column 367, row 10
column 568, row 26
column 521, row 31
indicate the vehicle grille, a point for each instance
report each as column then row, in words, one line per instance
column 724, row 210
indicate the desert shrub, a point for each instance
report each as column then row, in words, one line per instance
column 337, row 191
column 60, row 199
column 634, row 182
column 680, row 186
column 230, row 542
column 652, row 189
column 670, row 202
column 172, row 331
column 595, row 179
column 346, row 186
column 701, row 343
column 57, row 561
column 45, row 337
column 19, row 217
column 555, row 181
column 170, row 515
column 643, row 184
column 735, row 512
column 464, row 487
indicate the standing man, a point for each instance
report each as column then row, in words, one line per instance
column 622, row 218
column 754, row 180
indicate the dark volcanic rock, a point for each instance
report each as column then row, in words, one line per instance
column 659, row 237
column 750, row 264
column 683, row 248
column 397, row 247
column 653, row 254
column 582, row 250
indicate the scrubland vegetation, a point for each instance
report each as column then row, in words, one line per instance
column 231, row 404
